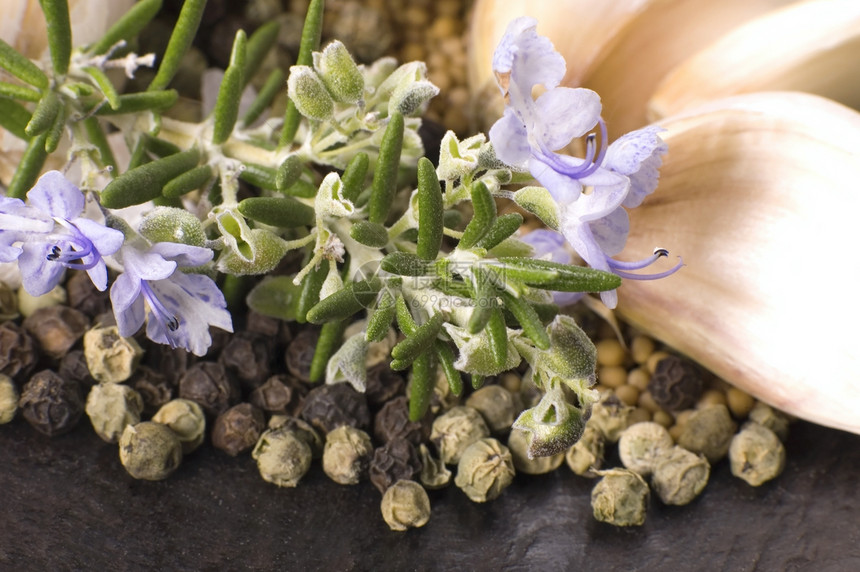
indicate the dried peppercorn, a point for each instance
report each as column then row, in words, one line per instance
column 405, row 505
column 85, row 297
column 153, row 386
column 676, row 383
column 171, row 363
column 392, row 422
column 330, row 406
column 209, row 384
column 279, row 394
column 434, row 473
column 767, row 416
column 346, row 456
column 396, row 460
column 248, row 357
column 111, row 358
column 486, row 468
column 497, row 405
column 708, row 431
column 756, row 454
column 620, row 498
column 187, row 421
column 679, row 475
column 610, row 416
column 112, row 406
column 73, row 366
column 455, row 430
column 275, row 331
column 149, row 451
column 56, row 329
column 18, row 355
column 383, row 383
column 300, row 353
column 642, row 444
column 586, row 455
column 51, row 404
column 8, row 399
column 283, row 458
column 303, row 431
column 238, row 429
column 8, row 303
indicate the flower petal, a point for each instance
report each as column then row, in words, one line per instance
column 38, row 274
column 184, row 255
column 531, row 59
column 146, row 265
column 128, row 307
column 564, row 189
column 55, row 195
column 510, row 139
column 565, row 113
column 610, row 232
column 637, row 154
column 106, row 240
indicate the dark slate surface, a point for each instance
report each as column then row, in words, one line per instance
column 68, row 504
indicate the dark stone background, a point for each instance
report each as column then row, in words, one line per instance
column 67, row 504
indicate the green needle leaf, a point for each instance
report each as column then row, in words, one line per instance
column 59, row 33
column 14, row 118
column 381, row 318
column 485, row 300
column 44, row 115
column 344, row 303
column 14, row 91
column 105, row 85
column 145, row 182
column 353, row 176
column 227, row 105
column 96, row 135
column 405, row 321
column 274, row 84
column 423, row 381
column 260, row 176
column 29, row 168
column 21, row 67
column 128, row 26
column 259, row 44
column 485, row 214
column 503, row 227
column 310, row 293
column 445, row 355
column 145, row 101
column 55, row 133
column 528, row 319
column 180, row 40
column 289, row 172
column 498, row 336
column 331, row 336
column 283, row 212
column 406, row 264
column 431, row 211
column 369, row 233
column 417, row 342
column 550, row 275
column 188, row 181
column 385, row 174
column 310, row 42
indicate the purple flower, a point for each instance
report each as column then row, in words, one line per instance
column 181, row 306
column 54, row 236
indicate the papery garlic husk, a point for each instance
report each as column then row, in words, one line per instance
column 811, row 46
column 621, row 48
column 760, row 194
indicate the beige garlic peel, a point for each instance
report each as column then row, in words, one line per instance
column 811, row 46
column 759, row 194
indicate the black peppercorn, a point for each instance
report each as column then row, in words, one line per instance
column 238, row 429
column 676, row 383
column 172, row 363
column 392, row 422
column 210, row 385
column 330, row 406
column 56, row 329
column 280, row 394
column 383, row 384
column 396, row 460
column 274, row 331
column 51, row 404
column 85, row 297
column 18, row 355
column 248, row 357
column 300, row 352
column 73, row 366
column 153, row 386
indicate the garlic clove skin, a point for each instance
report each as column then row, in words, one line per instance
column 817, row 50
column 759, row 194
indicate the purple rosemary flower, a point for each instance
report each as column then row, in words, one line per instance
column 53, row 236
column 181, row 306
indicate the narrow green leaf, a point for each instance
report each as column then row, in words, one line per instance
column 331, row 336
column 144, row 101
column 485, row 300
column 139, row 154
column 259, row 44
column 302, row 189
column 15, row 91
column 59, row 33
column 445, row 355
column 423, row 381
column 97, row 137
column 406, row 264
column 180, row 40
column 567, row 278
column 310, row 42
column 385, row 174
column 310, row 293
column 105, row 85
column 145, row 182
column 44, row 114
column 528, row 318
column 188, row 181
column 452, row 218
column 482, row 220
column 417, row 342
column 369, row 233
column 289, row 172
column 275, row 296
column 160, row 147
column 230, row 93
column 431, row 211
column 497, row 333
column 128, row 26
column 353, row 176
column 274, row 84
column 405, row 321
column 380, row 320
column 259, row 176
column 503, row 227
column 283, row 212
column 29, row 168
column 21, row 67
column 55, row 133
column 344, row 303
column 477, row 381
column 14, row 118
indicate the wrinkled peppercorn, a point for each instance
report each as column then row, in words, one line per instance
column 73, row 366
column 111, row 358
column 283, row 458
column 485, row 469
column 330, row 406
column 18, row 355
column 149, row 451
column 153, row 387
column 187, row 421
column 209, row 384
column 303, row 431
column 8, row 399
column 112, row 406
column 346, row 455
column 274, row 331
column 300, row 352
column 56, row 329
column 396, row 460
column 248, row 357
column 238, row 429
column 220, row 338
column 85, row 297
column 280, row 394
column 383, row 384
column 405, row 505
column 51, row 404
column 8, row 303
column 392, row 422
column 620, row 498
column 171, row 363
column 676, row 383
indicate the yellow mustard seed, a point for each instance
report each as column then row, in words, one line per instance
column 639, row 378
column 628, row 394
column 610, row 352
column 740, row 402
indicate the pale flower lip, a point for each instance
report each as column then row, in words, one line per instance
column 760, row 193
column 811, row 46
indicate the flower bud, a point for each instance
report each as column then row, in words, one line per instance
column 169, row 224
column 339, row 73
column 260, row 254
column 309, row 93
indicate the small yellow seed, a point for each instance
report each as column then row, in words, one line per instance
column 740, row 402
column 639, row 415
column 663, row 418
column 646, row 400
column 654, row 359
column 641, row 348
column 639, row 378
column 612, row 375
column 711, row 397
column 610, row 352
column 628, row 394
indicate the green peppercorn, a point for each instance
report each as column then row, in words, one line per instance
column 586, row 455
column 347, row 454
column 767, row 416
column 486, row 468
column 497, row 405
column 679, row 475
column 518, row 443
column 455, row 430
column 110, row 357
column 611, row 417
column 8, row 399
column 112, row 406
column 756, row 454
column 620, row 498
column 186, row 419
column 641, row 445
column 434, row 474
column 708, row 431
column 283, row 457
column 149, row 451
column 405, row 505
